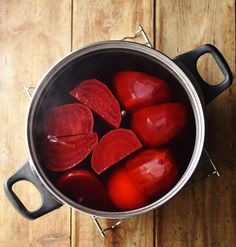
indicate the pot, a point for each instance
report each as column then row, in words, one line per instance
column 107, row 56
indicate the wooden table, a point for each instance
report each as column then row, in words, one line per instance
column 35, row 34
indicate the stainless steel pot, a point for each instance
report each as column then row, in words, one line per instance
column 182, row 68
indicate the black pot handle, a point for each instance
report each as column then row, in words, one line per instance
column 189, row 60
column 48, row 202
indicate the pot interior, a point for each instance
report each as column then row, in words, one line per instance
column 103, row 65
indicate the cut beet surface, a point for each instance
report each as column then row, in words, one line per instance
column 63, row 153
column 99, row 98
column 113, row 147
column 70, row 119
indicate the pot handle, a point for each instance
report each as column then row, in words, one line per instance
column 189, row 60
column 48, row 203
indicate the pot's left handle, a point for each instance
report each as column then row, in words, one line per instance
column 48, row 203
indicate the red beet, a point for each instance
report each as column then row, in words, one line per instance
column 157, row 125
column 70, row 119
column 113, row 147
column 137, row 90
column 84, row 187
column 99, row 98
column 63, row 153
column 154, row 171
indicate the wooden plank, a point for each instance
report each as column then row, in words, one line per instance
column 108, row 20
column 33, row 36
column 136, row 231
column 203, row 215
column 111, row 20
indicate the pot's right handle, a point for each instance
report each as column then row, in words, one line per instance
column 189, row 60
column 48, row 204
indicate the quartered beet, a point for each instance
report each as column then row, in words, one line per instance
column 99, row 98
column 70, row 119
column 63, row 153
column 113, row 147
column 83, row 187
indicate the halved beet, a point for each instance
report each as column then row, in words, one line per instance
column 63, row 153
column 83, row 187
column 113, row 147
column 99, row 98
column 69, row 119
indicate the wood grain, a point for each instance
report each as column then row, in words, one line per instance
column 112, row 20
column 33, row 36
column 203, row 215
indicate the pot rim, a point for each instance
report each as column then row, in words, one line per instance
column 182, row 78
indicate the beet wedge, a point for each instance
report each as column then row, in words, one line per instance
column 69, row 119
column 63, row 153
column 99, row 98
column 113, row 147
